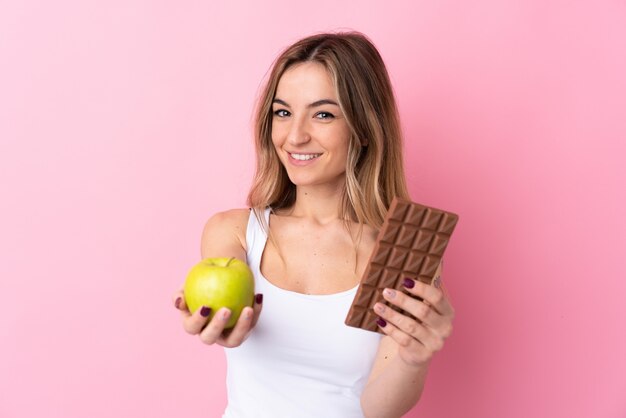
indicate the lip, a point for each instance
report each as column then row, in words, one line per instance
column 301, row 163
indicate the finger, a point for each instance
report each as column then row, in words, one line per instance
column 402, row 338
column 414, row 353
column 430, row 294
column 258, row 307
column 407, row 325
column 437, row 280
column 181, row 304
column 415, row 307
column 211, row 333
column 236, row 336
column 179, row 300
column 194, row 322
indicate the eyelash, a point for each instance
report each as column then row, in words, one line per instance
column 277, row 112
column 329, row 115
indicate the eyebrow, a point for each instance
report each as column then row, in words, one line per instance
column 314, row 104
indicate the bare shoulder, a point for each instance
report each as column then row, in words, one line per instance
column 224, row 234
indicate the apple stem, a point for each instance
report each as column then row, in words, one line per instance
column 229, row 261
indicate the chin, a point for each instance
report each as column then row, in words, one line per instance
column 304, row 181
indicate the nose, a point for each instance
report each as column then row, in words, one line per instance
column 298, row 132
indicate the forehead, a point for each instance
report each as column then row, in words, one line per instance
column 305, row 80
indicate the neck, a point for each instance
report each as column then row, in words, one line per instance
column 319, row 203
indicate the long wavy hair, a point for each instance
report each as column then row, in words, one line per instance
column 374, row 167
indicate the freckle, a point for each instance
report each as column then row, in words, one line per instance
column 385, row 357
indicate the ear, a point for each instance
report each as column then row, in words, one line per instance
column 364, row 142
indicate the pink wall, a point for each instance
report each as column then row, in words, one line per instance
column 125, row 124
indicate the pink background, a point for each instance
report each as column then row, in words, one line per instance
column 125, row 124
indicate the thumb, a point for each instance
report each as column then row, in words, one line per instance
column 258, row 306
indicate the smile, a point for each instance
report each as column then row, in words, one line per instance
column 304, row 157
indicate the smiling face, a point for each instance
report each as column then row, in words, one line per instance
column 309, row 131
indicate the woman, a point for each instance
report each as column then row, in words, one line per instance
column 329, row 163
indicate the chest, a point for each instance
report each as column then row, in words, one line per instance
column 312, row 337
column 315, row 260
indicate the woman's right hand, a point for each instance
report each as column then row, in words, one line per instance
column 213, row 332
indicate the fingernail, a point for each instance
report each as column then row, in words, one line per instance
column 437, row 283
column 178, row 301
column 389, row 293
column 409, row 283
column 259, row 298
column 226, row 314
column 381, row 322
column 205, row 311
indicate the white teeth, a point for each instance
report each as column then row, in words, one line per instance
column 304, row 157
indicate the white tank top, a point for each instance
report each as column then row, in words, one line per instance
column 300, row 360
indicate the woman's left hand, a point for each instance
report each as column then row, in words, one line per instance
column 417, row 340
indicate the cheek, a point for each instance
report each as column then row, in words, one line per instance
column 276, row 145
column 345, row 144
column 277, row 135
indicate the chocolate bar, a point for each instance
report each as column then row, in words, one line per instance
column 410, row 244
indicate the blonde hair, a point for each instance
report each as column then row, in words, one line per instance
column 374, row 167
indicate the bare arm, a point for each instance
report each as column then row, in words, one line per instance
column 401, row 365
column 223, row 236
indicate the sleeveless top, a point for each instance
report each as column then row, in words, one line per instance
column 300, row 360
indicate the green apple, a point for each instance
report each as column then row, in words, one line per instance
column 218, row 283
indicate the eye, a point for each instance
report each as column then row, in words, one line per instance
column 324, row 115
column 281, row 113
